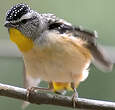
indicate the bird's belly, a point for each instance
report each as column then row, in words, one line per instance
column 60, row 70
column 50, row 65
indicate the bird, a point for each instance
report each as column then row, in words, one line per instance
column 53, row 49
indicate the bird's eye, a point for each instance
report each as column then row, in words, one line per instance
column 24, row 21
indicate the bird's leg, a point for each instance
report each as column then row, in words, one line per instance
column 75, row 94
column 50, row 88
column 76, row 80
column 31, row 90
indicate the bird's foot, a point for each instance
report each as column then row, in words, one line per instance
column 74, row 99
column 32, row 90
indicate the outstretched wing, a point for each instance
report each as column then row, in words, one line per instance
column 100, row 58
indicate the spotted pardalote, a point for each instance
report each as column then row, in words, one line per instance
column 53, row 49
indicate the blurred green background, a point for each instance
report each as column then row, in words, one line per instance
column 96, row 15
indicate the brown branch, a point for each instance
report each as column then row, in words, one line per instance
column 47, row 98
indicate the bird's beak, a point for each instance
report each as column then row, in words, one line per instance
column 7, row 24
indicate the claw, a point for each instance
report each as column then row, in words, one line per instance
column 75, row 95
column 31, row 90
column 74, row 98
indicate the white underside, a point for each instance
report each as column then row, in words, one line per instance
column 56, row 60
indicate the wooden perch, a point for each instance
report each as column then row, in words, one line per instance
column 59, row 100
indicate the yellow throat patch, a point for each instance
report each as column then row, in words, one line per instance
column 23, row 43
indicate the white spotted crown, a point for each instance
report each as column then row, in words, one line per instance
column 17, row 11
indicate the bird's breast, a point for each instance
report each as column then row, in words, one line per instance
column 59, row 60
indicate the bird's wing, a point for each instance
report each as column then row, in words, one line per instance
column 100, row 58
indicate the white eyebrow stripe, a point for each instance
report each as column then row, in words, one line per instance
column 26, row 16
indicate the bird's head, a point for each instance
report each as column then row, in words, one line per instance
column 24, row 25
column 22, row 18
